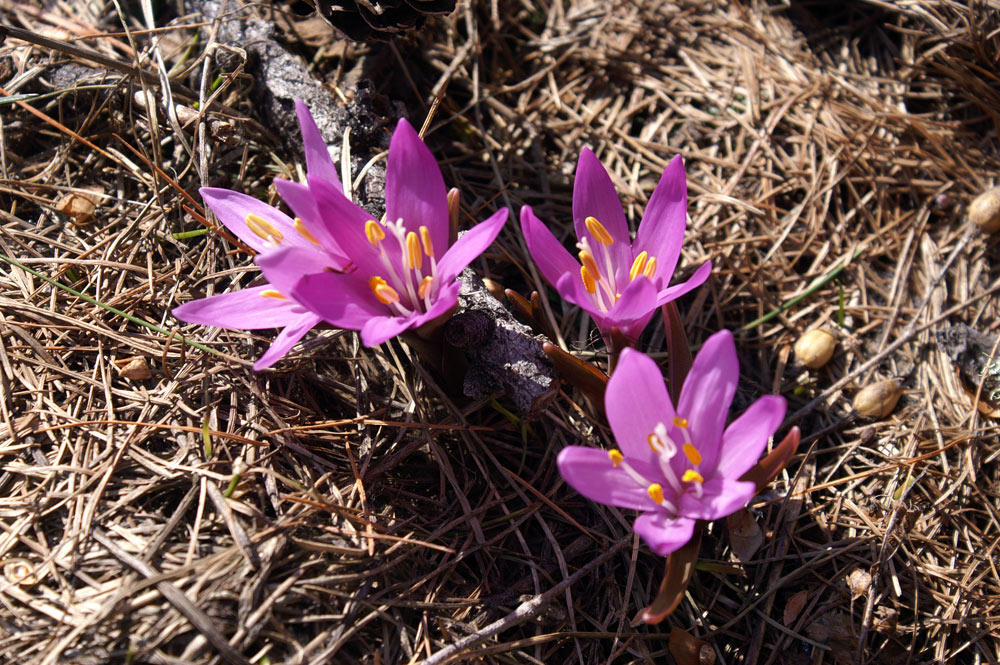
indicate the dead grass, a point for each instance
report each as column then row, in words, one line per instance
column 378, row 521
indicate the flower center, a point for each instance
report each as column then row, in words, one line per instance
column 403, row 286
column 666, row 449
column 597, row 266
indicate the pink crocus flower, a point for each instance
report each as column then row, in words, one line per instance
column 679, row 465
column 618, row 282
column 266, row 229
column 404, row 269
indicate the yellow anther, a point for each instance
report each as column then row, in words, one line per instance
column 588, row 281
column 692, row 454
column 374, row 232
column 383, row 292
column 650, row 269
column 263, row 229
column 655, row 492
column 598, row 231
column 425, row 240
column 414, row 259
column 637, row 266
column 425, row 286
column 271, row 293
column 616, row 457
column 681, row 422
column 304, row 232
column 692, row 476
column 587, row 259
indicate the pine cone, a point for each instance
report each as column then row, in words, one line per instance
column 379, row 19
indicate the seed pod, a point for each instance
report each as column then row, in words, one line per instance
column 879, row 399
column 984, row 211
column 815, row 348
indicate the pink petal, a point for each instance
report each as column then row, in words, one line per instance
column 378, row 330
column 414, row 188
column 285, row 340
column 636, row 401
column 302, row 202
column 550, row 256
column 746, row 437
column 344, row 301
column 283, row 268
column 637, row 303
column 661, row 232
column 245, row 309
column 707, row 393
column 590, row 472
column 720, row 497
column 678, row 290
column 471, row 244
column 347, row 221
column 594, row 195
column 232, row 209
column 664, row 534
column 318, row 160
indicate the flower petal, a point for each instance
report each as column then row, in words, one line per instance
column 232, row 209
column 284, row 267
column 383, row 328
column 661, row 231
column 246, row 309
column 590, row 472
column 746, row 437
column 470, row 245
column 414, row 188
column 349, row 221
column 594, row 195
column 636, row 401
column 344, row 301
column 550, row 256
column 720, row 497
column 286, row 339
column 318, row 160
column 302, row 202
column 693, row 282
column 707, row 393
column 664, row 534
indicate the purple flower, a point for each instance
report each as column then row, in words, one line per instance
column 675, row 465
column 403, row 272
column 620, row 284
column 266, row 229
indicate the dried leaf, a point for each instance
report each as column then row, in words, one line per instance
column 689, row 650
column 794, row 607
column 745, row 536
column 81, row 204
column 589, row 380
column 136, row 369
column 680, row 569
column 858, row 581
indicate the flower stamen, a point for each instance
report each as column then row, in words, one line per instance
column 692, row 454
column 425, row 240
column 383, row 292
column 304, row 232
column 425, row 287
column 263, row 229
column 587, row 259
column 272, row 293
column 598, row 231
column 655, row 492
column 692, row 476
column 414, row 259
column 616, row 457
column 650, row 269
column 374, row 232
column 637, row 266
column 588, row 281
